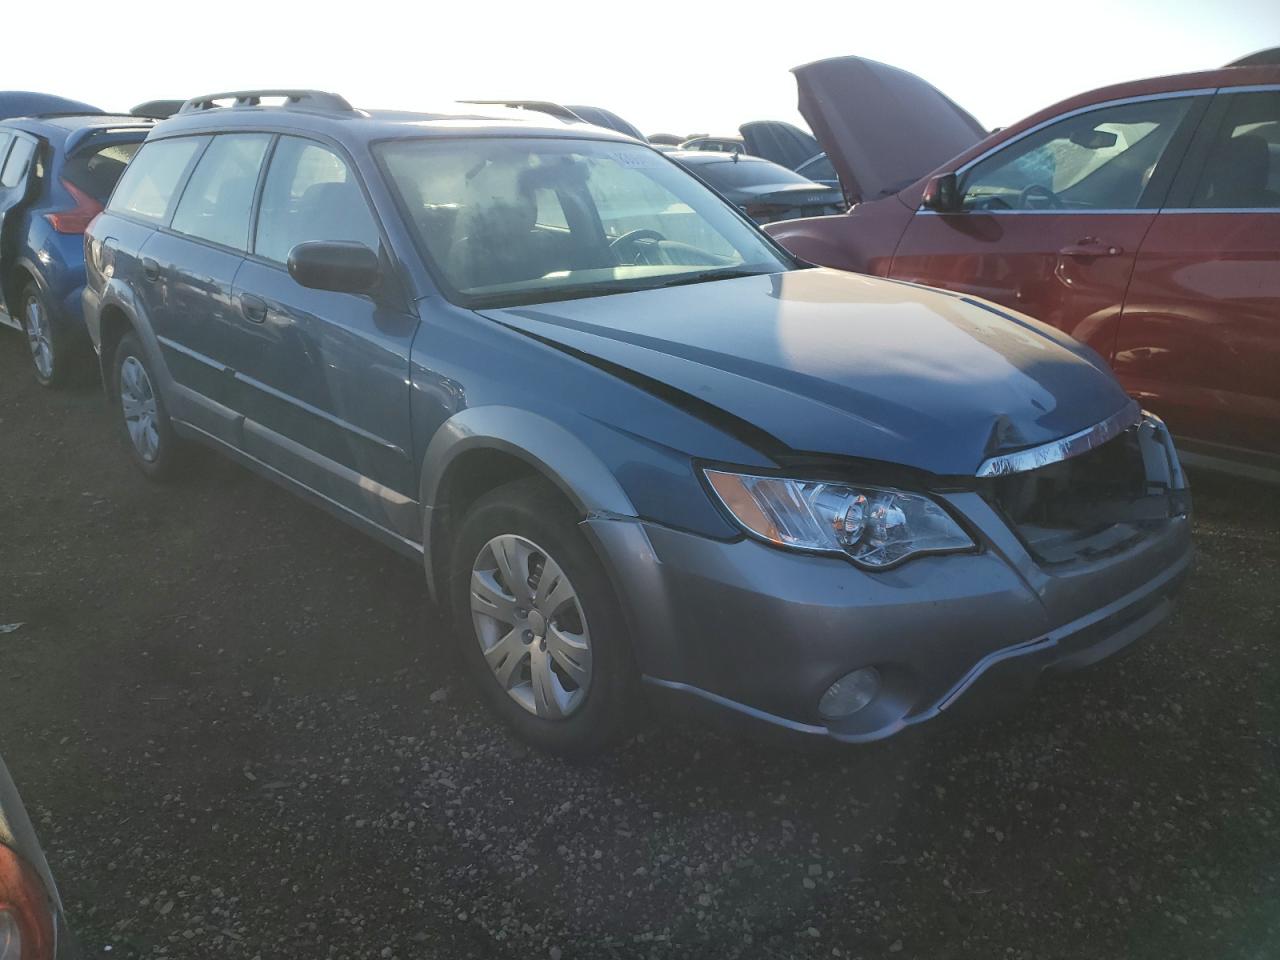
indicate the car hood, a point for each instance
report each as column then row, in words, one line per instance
column 824, row 362
column 882, row 127
column 784, row 144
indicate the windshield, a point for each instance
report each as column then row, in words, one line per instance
column 510, row 221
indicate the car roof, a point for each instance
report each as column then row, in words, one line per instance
column 351, row 126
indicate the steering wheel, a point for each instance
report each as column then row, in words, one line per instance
column 1036, row 191
column 650, row 239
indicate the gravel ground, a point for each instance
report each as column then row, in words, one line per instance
column 241, row 732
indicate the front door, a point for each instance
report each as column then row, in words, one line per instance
column 1050, row 222
column 323, row 377
column 17, row 152
column 1199, row 338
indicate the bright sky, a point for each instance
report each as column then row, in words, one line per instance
column 678, row 67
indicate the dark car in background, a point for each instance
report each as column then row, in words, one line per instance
column 32, row 925
column 578, row 113
column 601, row 117
column 631, row 440
column 1142, row 219
column 764, row 191
column 56, row 172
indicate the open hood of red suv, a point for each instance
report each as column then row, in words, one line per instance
column 882, row 127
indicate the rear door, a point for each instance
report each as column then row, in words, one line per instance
column 190, row 266
column 1051, row 221
column 322, row 376
column 17, row 163
column 1199, row 338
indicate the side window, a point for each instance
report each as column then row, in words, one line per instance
column 1243, row 167
column 5, row 140
column 1099, row 160
column 218, row 199
column 147, row 186
column 15, row 168
column 310, row 194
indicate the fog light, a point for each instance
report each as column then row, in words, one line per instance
column 850, row 694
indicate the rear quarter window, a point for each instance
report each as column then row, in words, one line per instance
column 96, row 170
column 147, row 187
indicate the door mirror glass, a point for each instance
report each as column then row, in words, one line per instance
column 941, row 194
column 340, row 265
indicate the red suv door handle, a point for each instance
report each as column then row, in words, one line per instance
column 1090, row 247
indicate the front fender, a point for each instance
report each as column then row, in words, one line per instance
column 549, row 448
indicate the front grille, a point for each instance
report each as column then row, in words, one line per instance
column 1100, row 502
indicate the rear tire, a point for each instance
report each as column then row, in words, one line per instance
column 55, row 358
column 549, row 649
column 140, row 410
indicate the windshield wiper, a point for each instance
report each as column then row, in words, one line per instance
column 704, row 276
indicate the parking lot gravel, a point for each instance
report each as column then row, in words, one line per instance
column 242, row 733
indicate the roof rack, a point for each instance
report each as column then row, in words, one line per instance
column 316, row 100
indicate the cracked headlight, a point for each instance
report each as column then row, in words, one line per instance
column 874, row 526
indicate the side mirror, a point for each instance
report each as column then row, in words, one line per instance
column 942, row 193
column 339, row 265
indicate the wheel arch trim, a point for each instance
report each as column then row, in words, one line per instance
column 547, row 447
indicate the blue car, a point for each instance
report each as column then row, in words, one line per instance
column 633, row 443
column 56, row 172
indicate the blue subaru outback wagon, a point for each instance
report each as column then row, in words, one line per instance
column 635, row 443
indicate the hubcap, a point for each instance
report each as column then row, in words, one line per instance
column 39, row 338
column 531, row 627
column 138, row 401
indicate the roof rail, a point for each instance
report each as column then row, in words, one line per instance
column 316, row 100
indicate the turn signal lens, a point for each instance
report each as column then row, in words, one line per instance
column 876, row 527
column 10, row 938
column 26, row 920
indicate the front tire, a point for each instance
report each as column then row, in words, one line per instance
column 143, row 420
column 541, row 631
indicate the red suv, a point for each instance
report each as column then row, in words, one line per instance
column 1143, row 219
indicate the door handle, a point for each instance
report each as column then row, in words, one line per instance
column 253, row 308
column 150, row 269
column 1091, row 247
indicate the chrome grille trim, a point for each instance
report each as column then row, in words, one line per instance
column 1058, row 450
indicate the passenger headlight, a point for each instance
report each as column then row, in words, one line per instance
column 874, row 526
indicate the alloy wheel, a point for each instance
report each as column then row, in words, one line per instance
column 141, row 415
column 39, row 337
column 531, row 627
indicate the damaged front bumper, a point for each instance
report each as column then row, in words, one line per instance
column 762, row 633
